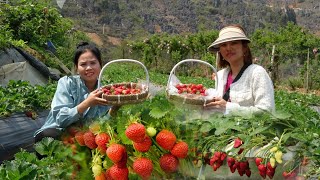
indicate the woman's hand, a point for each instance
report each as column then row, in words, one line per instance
column 218, row 103
column 93, row 99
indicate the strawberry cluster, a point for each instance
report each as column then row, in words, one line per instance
column 289, row 175
column 169, row 162
column 217, row 160
column 265, row 169
column 120, row 90
column 191, row 89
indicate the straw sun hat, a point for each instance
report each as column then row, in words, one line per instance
column 230, row 33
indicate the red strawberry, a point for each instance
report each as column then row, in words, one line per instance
column 143, row 146
column 237, row 143
column 143, row 167
column 231, row 161
column 248, row 172
column 166, row 139
column 119, row 173
column 115, row 152
column 123, row 162
column 107, row 175
column 100, row 177
column 180, row 150
column 102, row 149
column 79, row 138
column 72, row 130
column 262, row 168
column 89, row 140
column 136, row 132
column 102, row 139
column 270, row 173
column 243, row 165
column 169, row 163
column 258, row 161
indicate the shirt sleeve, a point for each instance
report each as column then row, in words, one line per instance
column 262, row 92
column 64, row 110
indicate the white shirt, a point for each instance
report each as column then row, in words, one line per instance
column 251, row 93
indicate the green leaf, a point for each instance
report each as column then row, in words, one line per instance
column 157, row 113
column 282, row 115
column 259, row 130
column 206, row 127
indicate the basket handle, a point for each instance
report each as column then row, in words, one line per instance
column 123, row 60
column 192, row 60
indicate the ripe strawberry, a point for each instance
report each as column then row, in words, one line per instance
column 180, row 150
column 123, row 162
column 102, row 149
column 166, row 139
column 119, row 173
column 248, row 172
column 258, row 161
column 136, row 132
column 102, row 139
column 143, row 146
column 169, row 163
column 270, row 173
column 79, row 138
column 231, row 161
column 237, row 143
column 108, row 175
column 143, row 167
column 89, row 140
column 102, row 176
column 72, row 130
column 115, row 152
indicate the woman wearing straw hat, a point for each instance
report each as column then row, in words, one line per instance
column 242, row 86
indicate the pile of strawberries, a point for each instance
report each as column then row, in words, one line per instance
column 191, row 89
column 120, row 90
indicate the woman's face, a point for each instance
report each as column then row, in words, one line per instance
column 88, row 67
column 232, row 51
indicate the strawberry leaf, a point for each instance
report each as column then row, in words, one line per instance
column 157, row 113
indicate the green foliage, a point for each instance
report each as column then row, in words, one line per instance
column 57, row 164
column 35, row 22
column 20, row 96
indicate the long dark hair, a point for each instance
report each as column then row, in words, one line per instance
column 85, row 47
column 247, row 54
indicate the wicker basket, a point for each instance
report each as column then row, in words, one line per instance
column 191, row 99
column 129, row 98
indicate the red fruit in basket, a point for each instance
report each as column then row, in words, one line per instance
column 169, row 163
column 199, row 86
column 258, row 161
column 115, row 152
column 166, row 139
column 119, row 173
column 180, row 150
column 136, row 132
column 102, row 139
column 143, row 167
column 143, row 146
column 237, row 143
column 89, row 140
column 79, row 138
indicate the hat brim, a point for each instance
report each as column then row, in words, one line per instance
column 214, row 47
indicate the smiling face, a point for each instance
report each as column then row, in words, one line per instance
column 232, row 51
column 88, row 67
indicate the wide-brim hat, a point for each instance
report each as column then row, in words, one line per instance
column 230, row 33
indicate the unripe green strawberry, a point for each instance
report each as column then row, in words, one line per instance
column 151, row 131
column 278, row 156
column 96, row 169
column 274, row 149
column 272, row 162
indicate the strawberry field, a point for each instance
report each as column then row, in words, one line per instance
column 160, row 139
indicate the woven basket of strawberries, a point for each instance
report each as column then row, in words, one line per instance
column 125, row 92
column 194, row 94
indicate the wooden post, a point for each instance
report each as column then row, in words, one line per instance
column 271, row 73
column 307, row 88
